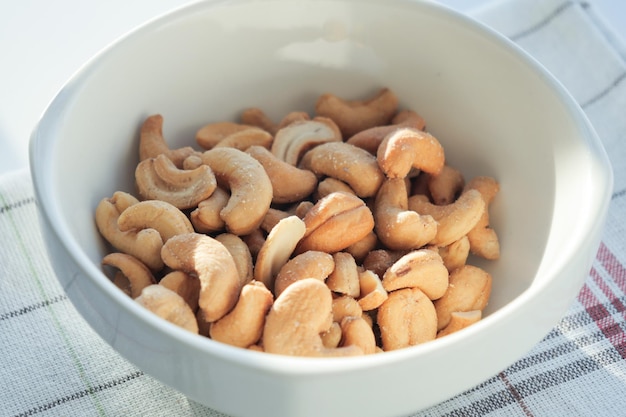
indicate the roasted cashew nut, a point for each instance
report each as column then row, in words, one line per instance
column 397, row 227
column 250, row 188
column 455, row 254
column 345, row 277
column 296, row 320
column 446, row 186
column 210, row 261
column 137, row 274
column 460, row 320
column 144, row 244
column 373, row 294
column 336, row 222
column 152, row 143
column 155, row 214
column 241, row 255
column 243, row 326
column 407, row 148
column 229, row 134
column 421, row 268
column 256, row 117
column 454, row 220
column 185, row 285
column 278, row 247
column 159, row 179
column 353, row 116
column 289, row 183
column 354, row 166
column 206, row 217
column 310, row 264
column 294, row 139
column 357, row 332
column 370, row 139
column 406, row 318
column 483, row 239
column 469, row 289
column 168, row 305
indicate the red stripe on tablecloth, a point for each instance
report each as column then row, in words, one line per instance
column 613, row 266
column 603, row 318
column 515, row 393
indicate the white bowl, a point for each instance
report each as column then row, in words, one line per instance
column 496, row 111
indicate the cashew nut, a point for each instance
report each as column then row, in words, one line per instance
column 345, row 277
column 454, row 220
column 421, row 268
column 370, row 139
column 289, row 183
column 397, row 227
column 373, row 294
column 293, row 140
column 469, row 289
column 331, row 185
column 357, row 332
column 298, row 317
column 241, row 255
column 353, row 116
column 155, row 214
column 137, row 274
column 159, row 179
column 210, row 261
column 455, row 254
column 407, row 148
column 332, row 337
column 336, row 222
column 185, row 285
column 360, row 249
column 483, row 239
column 354, row 166
column 271, row 219
column 206, row 217
column 257, row 117
column 168, row 305
column 278, row 247
column 310, row 264
column 250, row 188
column 243, row 326
column 379, row 260
column 446, row 186
column 406, row 318
column 460, row 320
column 152, row 143
column 229, row 134
column 345, row 306
column 144, row 244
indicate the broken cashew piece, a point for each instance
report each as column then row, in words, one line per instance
column 353, row 116
column 459, row 320
column 152, row 143
column 138, row 275
column 144, row 244
column 421, row 268
column 310, row 264
column 373, row 294
column 289, row 183
column 294, row 139
column 278, row 247
column 407, row 148
column 250, row 188
column 454, row 220
column 296, row 320
column 336, row 222
column 159, row 179
column 243, row 326
column 406, row 318
column 396, row 226
column 354, row 166
column 159, row 215
column 210, row 261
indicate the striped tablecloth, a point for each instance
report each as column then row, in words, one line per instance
column 53, row 364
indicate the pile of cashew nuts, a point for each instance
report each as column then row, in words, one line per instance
column 345, row 233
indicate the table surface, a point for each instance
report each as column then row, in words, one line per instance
column 43, row 43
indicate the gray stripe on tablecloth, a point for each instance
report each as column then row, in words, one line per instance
column 604, row 92
column 80, row 394
column 17, row 204
column 543, row 23
column 33, row 307
column 618, row 194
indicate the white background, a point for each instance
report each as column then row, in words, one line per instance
column 42, row 43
